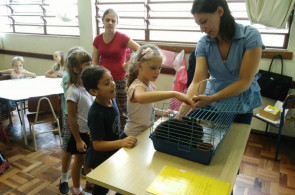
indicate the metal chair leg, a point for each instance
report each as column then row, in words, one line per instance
column 266, row 129
column 278, row 143
column 59, row 133
column 4, row 133
column 18, row 110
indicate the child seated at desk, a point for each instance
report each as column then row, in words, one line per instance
column 58, row 69
column 18, row 71
column 103, row 119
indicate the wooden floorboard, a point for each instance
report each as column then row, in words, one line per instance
column 260, row 173
column 39, row 172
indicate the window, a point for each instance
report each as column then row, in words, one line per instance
column 46, row 17
column 171, row 21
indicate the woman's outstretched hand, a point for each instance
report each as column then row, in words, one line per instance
column 201, row 101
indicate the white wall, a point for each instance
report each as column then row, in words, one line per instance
column 35, row 44
column 49, row 44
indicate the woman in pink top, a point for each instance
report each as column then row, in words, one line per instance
column 109, row 50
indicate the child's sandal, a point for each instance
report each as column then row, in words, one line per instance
column 3, row 167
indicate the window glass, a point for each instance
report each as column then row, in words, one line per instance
column 172, row 36
column 173, row 24
column 171, row 21
column 131, row 23
column 50, row 17
column 29, row 29
column 134, row 34
column 273, row 40
column 62, row 30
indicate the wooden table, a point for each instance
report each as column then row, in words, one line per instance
column 23, row 89
column 131, row 171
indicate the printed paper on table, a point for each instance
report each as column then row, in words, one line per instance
column 175, row 181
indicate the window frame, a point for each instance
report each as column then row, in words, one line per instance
column 147, row 18
column 43, row 15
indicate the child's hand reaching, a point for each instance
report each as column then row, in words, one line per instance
column 184, row 98
column 128, row 142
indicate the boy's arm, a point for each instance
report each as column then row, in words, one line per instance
column 100, row 145
column 81, row 146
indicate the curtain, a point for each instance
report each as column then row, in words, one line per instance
column 272, row 13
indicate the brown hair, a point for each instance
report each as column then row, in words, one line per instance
column 75, row 59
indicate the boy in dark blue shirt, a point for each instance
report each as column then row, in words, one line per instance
column 103, row 119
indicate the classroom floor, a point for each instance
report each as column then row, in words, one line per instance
column 39, row 172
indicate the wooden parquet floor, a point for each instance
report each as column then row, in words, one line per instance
column 31, row 172
column 39, row 172
column 260, row 174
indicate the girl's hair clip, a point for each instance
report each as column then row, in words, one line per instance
column 147, row 53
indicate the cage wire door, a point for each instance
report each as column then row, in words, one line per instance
column 196, row 133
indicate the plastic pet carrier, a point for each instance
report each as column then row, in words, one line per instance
column 197, row 133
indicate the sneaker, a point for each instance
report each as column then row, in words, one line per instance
column 89, row 186
column 4, row 165
column 64, row 188
column 81, row 193
column 83, row 172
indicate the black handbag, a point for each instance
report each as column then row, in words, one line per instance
column 273, row 85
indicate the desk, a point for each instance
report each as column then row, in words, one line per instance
column 131, row 171
column 22, row 89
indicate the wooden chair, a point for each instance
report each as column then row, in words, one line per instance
column 289, row 103
column 44, row 109
column 6, row 77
